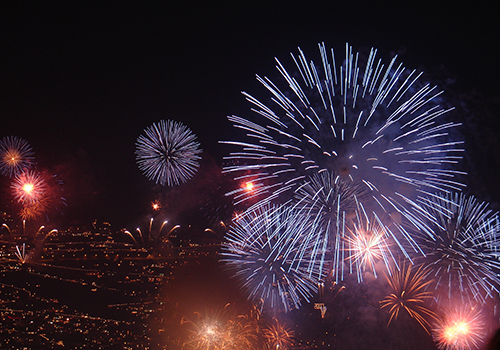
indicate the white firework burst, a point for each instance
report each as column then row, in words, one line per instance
column 168, row 153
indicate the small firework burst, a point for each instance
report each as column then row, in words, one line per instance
column 28, row 187
column 168, row 153
column 362, row 243
column 409, row 294
column 221, row 329
column 366, row 245
column 278, row 336
column 156, row 205
column 34, row 210
column 460, row 328
column 16, row 156
column 152, row 236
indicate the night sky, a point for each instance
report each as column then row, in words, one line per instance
column 81, row 82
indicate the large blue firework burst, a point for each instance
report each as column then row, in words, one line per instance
column 168, row 153
column 371, row 123
column 278, row 256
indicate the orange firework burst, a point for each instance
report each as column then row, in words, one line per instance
column 278, row 336
column 28, row 187
column 34, row 210
column 408, row 294
column 220, row 330
column 460, row 329
column 15, row 155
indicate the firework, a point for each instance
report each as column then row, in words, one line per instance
column 278, row 336
column 460, row 329
column 34, row 210
column 367, row 242
column 460, row 243
column 152, row 236
column 21, row 253
column 168, row 153
column 16, row 156
column 360, row 240
column 373, row 124
column 28, row 187
column 156, row 205
column 408, row 294
column 278, row 254
column 220, row 330
column 38, row 193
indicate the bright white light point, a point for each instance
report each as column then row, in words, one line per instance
column 28, row 188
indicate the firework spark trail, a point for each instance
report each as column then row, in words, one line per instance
column 168, row 153
column 21, row 254
column 278, row 255
column 459, row 237
column 326, row 196
column 16, row 156
column 153, row 236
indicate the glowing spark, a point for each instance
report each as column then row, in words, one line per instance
column 156, row 205
column 249, row 186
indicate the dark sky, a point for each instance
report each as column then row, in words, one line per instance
column 80, row 82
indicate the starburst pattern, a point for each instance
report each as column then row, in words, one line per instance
column 28, row 187
column 168, row 153
column 373, row 124
column 278, row 336
column 461, row 328
column 16, row 156
column 409, row 294
column 220, row 330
